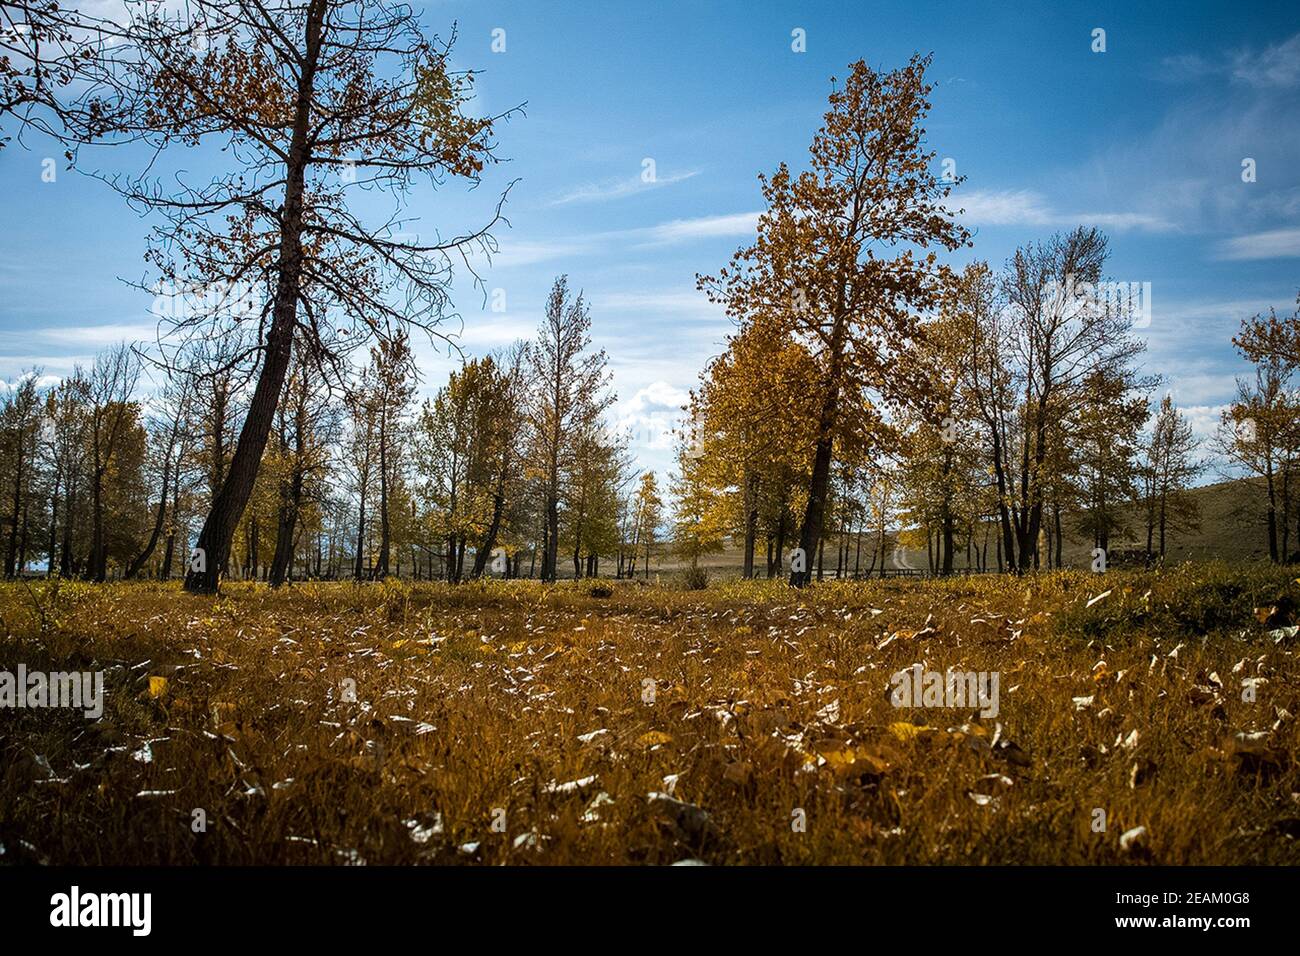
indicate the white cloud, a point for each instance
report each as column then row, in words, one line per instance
column 1180, row 314
column 1276, row 66
column 1026, row 207
column 618, row 188
column 650, row 415
column 1009, row 207
column 42, row 381
column 706, row 227
column 87, row 336
column 681, row 304
column 516, row 253
column 1204, row 420
column 1271, row 244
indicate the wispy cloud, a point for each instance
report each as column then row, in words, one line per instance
column 515, row 252
column 1276, row 66
column 1026, row 207
column 1270, row 244
column 1204, row 419
column 706, row 227
column 618, row 188
column 679, row 304
column 95, row 336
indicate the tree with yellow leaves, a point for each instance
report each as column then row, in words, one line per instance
column 698, row 528
column 845, row 260
column 756, row 428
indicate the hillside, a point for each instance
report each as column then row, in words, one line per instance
column 1231, row 529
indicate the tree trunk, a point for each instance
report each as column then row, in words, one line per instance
column 284, row 535
column 1006, row 542
column 98, row 564
column 65, row 554
column 1060, row 536
column 159, row 517
column 780, row 542
column 751, row 523
column 54, row 524
column 11, row 559
column 1272, row 516
column 228, row 506
column 385, row 534
column 551, row 560
column 947, row 529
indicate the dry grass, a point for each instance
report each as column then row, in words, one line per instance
column 530, row 699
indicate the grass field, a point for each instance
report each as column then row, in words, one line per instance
column 743, row 724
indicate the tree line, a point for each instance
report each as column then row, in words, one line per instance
column 511, row 468
column 874, row 394
column 871, row 389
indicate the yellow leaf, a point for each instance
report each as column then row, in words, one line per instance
column 157, row 686
column 905, row 731
column 652, row 737
column 835, row 752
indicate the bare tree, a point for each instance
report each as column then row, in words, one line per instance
column 311, row 101
column 175, row 400
column 111, row 382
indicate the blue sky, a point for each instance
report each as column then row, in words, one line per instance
column 1146, row 140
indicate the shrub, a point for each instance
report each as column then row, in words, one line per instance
column 694, row 578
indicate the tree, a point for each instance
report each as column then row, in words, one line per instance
column 1264, row 432
column 362, row 416
column 451, row 460
column 499, row 434
column 1038, row 336
column 67, row 409
column 755, row 414
column 166, row 436
column 1107, row 435
column 569, row 394
column 647, row 511
column 592, row 486
column 394, row 390
column 821, row 263
column 1168, row 470
column 942, row 444
column 313, row 101
column 111, row 414
column 305, row 425
column 1260, row 431
column 20, row 422
column 697, row 528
